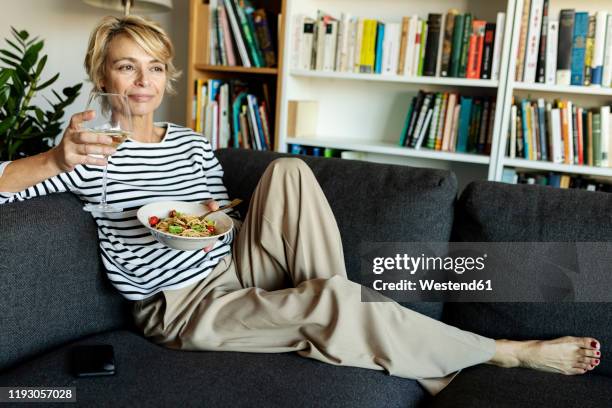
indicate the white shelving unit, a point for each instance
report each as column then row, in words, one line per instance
column 587, row 96
column 366, row 112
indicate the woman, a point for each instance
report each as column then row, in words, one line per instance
column 283, row 285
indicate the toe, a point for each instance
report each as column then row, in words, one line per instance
column 589, row 353
column 590, row 343
column 577, row 370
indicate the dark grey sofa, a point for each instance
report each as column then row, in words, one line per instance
column 54, row 295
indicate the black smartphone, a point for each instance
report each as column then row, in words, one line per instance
column 93, row 360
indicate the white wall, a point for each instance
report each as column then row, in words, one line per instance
column 65, row 26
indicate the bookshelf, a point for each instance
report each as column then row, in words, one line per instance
column 585, row 96
column 366, row 112
column 199, row 67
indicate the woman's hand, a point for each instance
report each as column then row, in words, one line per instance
column 212, row 206
column 77, row 145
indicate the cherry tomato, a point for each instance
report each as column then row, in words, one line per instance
column 153, row 221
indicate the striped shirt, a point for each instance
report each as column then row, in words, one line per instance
column 180, row 167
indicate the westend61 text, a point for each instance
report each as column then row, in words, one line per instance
column 431, row 285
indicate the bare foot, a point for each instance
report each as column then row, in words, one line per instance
column 565, row 355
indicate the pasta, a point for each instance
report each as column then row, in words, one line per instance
column 184, row 225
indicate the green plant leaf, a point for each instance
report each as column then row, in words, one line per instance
column 10, row 55
column 23, row 34
column 5, row 74
column 47, row 83
column 41, row 65
column 9, row 62
column 31, row 55
column 17, row 48
column 17, row 84
column 7, row 123
column 17, row 35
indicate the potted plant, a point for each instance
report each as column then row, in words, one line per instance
column 26, row 129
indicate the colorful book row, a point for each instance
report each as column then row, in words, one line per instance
column 449, row 122
column 229, row 115
column 239, row 35
column 560, row 132
column 558, row 180
column 576, row 49
column 446, row 45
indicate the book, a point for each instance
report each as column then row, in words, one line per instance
column 263, row 114
column 342, row 45
column 422, row 48
column 431, row 135
column 424, row 128
column 249, row 35
column 420, row 98
column 404, row 134
column 522, row 45
column 588, row 51
column 500, row 26
column 440, row 123
column 391, row 48
column 606, row 76
column 448, row 122
column 403, row 46
column 596, row 139
column 467, row 31
column 564, row 48
column 533, row 41
column 590, row 138
column 605, row 135
column 463, row 127
column 541, row 66
column 581, row 26
column 476, row 49
column 487, row 52
column 447, row 42
column 455, row 128
column 330, row 45
column 552, row 39
column 599, row 47
column 358, row 52
column 434, row 28
column 264, row 38
column 542, row 129
column 380, row 38
column 237, row 33
column 413, row 34
column 457, row 45
column 425, row 107
column 229, row 47
column 512, row 139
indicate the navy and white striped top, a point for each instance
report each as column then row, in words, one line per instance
column 180, row 167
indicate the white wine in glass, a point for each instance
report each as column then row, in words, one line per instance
column 113, row 119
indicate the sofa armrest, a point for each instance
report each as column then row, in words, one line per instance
column 53, row 287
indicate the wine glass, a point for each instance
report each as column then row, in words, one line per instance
column 113, row 119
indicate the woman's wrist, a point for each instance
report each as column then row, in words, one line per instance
column 51, row 162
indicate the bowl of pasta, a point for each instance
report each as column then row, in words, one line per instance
column 177, row 224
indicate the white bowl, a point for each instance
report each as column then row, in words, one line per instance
column 161, row 209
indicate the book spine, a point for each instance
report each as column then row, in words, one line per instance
column 431, row 138
column 422, row 47
column 484, row 123
column 525, row 125
column 250, row 41
column 238, row 35
column 421, row 119
column 569, row 159
column 441, row 121
column 263, row 113
column 580, row 143
column 403, row 46
column 231, row 56
column 533, row 41
column 541, row 67
column 434, row 27
column 512, row 144
column 423, row 131
column 404, row 134
column 487, row 53
column 454, row 134
column 464, row 124
column 564, row 49
column 599, row 47
column 359, row 46
column 264, row 37
column 605, row 136
column 522, row 46
column 447, row 43
column 590, row 138
column 448, row 121
column 467, row 31
column 480, row 37
column 392, row 37
column 542, row 129
column 456, row 46
column 411, row 45
column 380, row 38
column 500, row 27
column 606, row 77
column 581, row 27
column 551, row 52
column 597, row 139
column 588, row 50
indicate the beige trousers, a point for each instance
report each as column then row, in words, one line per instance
column 285, row 289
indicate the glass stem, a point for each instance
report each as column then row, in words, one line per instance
column 103, row 202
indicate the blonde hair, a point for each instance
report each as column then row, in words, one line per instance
column 147, row 34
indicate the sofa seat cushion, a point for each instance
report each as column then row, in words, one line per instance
column 488, row 386
column 150, row 375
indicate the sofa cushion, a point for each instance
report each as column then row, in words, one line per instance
column 149, row 375
column 487, row 386
column 497, row 212
column 53, row 287
column 414, row 205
